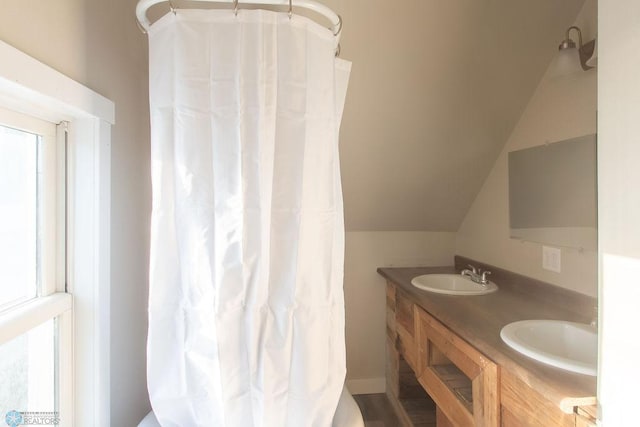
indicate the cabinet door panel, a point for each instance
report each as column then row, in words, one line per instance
column 461, row 380
column 529, row 407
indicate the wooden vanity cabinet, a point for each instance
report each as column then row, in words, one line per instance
column 465, row 387
column 422, row 354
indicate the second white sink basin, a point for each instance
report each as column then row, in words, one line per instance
column 565, row 345
column 452, row 284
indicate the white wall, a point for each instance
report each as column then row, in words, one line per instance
column 619, row 209
column 561, row 108
column 365, row 298
column 98, row 44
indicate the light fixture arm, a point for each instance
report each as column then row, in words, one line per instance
column 585, row 50
column 573, row 27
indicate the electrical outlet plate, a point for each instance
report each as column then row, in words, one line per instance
column 551, row 259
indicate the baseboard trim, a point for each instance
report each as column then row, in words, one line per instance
column 367, row 385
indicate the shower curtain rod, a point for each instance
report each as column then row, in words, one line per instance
column 334, row 18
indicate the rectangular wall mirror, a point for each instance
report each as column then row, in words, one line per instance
column 552, row 193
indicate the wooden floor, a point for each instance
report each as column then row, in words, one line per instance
column 376, row 410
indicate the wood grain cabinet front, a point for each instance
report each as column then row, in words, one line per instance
column 408, row 398
column 406, row 329
column 522, row 406
column 463, row 382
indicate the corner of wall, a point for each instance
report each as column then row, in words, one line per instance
column 365, row 296
column 560, row 108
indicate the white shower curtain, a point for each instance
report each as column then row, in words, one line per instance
column 246, row 310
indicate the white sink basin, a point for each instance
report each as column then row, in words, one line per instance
column 565, row 345
column 452, row 284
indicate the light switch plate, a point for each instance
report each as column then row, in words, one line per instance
column 551, row 259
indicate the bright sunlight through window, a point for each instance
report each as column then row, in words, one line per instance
column 33, row 300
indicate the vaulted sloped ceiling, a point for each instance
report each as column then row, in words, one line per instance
column 435, row 90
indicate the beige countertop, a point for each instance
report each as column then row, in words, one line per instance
column 479, row 319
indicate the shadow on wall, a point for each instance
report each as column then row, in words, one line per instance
column 116, row 66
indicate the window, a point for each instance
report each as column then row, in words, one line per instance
column 35, row 309
column 54, row 347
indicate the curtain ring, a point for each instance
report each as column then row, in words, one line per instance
column 290, row 9
column 235, row 7
column 339, row 25
column 171, row 8
column 140, row 27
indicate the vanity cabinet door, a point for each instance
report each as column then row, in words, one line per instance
column 460, row 380
column 523, row 406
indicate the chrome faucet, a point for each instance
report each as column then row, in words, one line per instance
column 476, row 275
column 471, row 273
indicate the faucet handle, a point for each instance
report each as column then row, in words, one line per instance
column 473, row 269
column 483, row 278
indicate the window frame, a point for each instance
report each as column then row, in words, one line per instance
column 52, row 228
column 31, row 87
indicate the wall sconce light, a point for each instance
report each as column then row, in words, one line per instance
column 581, row 54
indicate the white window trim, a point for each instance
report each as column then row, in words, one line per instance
column 31, row 87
